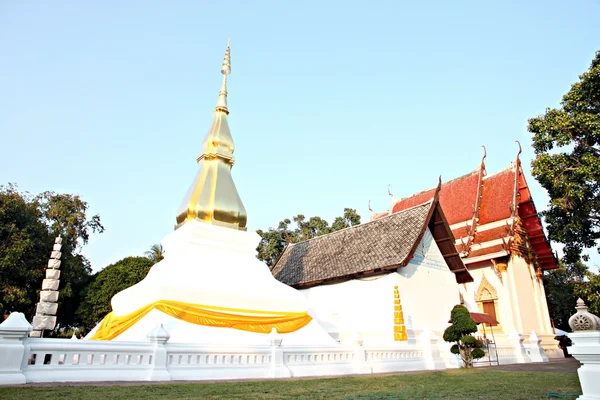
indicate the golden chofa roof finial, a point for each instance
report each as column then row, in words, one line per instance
column 212, row 197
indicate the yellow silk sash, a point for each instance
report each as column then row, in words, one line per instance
column 199, row 314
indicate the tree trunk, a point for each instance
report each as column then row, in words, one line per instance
column 465, row 355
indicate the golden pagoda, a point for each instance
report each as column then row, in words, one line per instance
column 212, row 196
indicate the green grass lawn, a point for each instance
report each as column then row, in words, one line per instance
column 450, row 384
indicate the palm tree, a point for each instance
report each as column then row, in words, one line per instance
column 156, row 253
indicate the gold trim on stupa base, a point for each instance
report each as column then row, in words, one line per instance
column 213, row 197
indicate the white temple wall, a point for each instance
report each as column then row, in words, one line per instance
column 366, row 306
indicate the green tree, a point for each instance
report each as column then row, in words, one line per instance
column 274, row 240
column 28, row 226
column 156, row 253
column 589, row 290
column 66, row 215
column 459, row 333
column 108, row 282
column 350, row 218
column 25, row 245
column 567, row 164
column 561, row 286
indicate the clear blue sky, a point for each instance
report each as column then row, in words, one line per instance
column 330, row 101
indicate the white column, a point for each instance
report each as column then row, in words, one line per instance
column 586, row 349
column 507, row 320
column 13, row 331
column 514, row 296
column 545, row 317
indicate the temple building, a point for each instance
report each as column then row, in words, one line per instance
column 500, row 239
column 376, row 279
column 487, row 232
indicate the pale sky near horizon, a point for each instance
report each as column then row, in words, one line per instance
column 330, row 101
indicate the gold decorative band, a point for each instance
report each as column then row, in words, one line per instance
column 199, row 314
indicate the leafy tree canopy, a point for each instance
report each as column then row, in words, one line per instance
column 567, row 164
column 561, row 286
column 28, row 226
column 274, row 240
column 108, row 282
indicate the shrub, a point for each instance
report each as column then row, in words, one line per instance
column 459, row 333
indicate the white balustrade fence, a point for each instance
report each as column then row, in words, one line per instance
column 27, row 359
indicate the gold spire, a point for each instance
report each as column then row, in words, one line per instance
column 212, row 197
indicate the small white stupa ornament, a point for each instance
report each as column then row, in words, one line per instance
column 584, row 320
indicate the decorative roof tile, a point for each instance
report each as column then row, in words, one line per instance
column 380, row 245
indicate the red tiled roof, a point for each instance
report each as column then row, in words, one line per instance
column 458, row 198
column 498, row 192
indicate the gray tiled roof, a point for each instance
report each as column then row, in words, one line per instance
column 385, row 242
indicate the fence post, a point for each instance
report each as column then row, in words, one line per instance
column 586, row 349
column 13, row 331
column 159, row 372
column 277, row 369
column 431, row 353
column 536, row 351
column 361, row 366
column 516, row 340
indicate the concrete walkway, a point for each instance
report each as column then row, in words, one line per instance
column 566, row 365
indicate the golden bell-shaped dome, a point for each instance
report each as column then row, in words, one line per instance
column 212, row 196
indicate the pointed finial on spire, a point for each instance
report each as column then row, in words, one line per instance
column 226, row 67
column 225, row 70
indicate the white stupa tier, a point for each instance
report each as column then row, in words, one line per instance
column 215, row 266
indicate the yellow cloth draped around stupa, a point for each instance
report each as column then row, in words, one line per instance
column 199, row 314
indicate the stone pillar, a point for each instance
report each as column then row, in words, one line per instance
column 586, row 349
column 516, row 340
column 431, row 352
column 12, row 350
column 360, row 356
column 536, row 351
column 277, row 368
column 159, row 366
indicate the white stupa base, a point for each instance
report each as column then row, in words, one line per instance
column 215, row 266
